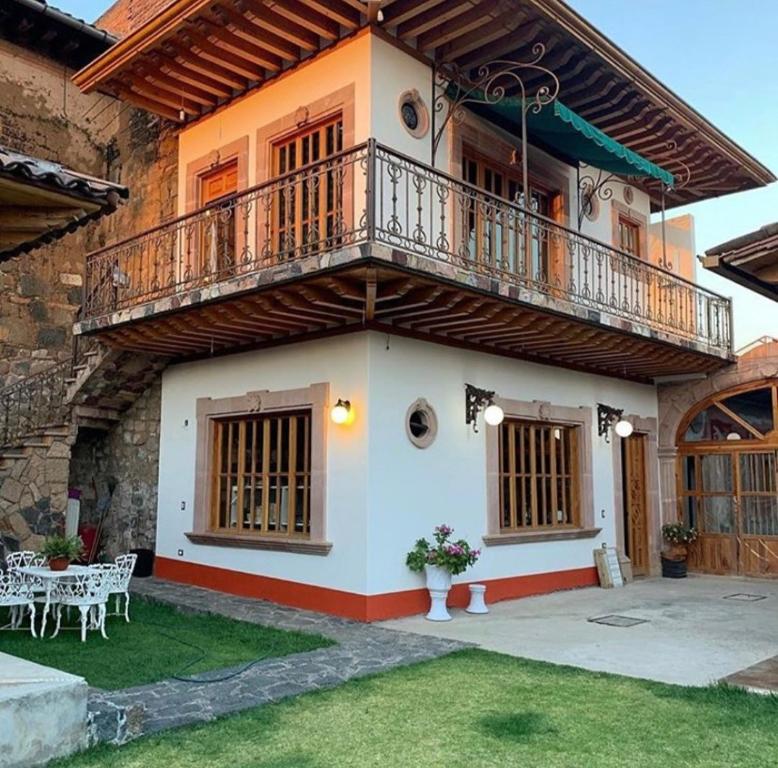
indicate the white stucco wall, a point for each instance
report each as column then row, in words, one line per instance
column 412, row 490
column 340, row 361
column 382, row 492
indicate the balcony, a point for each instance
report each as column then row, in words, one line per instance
column 372, row 239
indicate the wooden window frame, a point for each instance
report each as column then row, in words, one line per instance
column 301, row 222
column 567, row 475
column 541, row 413
column 629, row 224
column 619, row 213
column 313, row 399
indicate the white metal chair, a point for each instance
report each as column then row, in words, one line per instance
column 16, row 594
column 85, row 591
column 23, row 559
column 121, row 573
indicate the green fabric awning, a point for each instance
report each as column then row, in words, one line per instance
column 561, row 130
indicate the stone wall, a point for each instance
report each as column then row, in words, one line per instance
column 34, row 490
column 122, row 464
column 43, row 114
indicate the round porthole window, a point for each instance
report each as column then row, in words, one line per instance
column 414, row 114
column 421, row 424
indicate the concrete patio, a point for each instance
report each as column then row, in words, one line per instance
column 693, row 632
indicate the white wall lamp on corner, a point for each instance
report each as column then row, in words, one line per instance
column 477, row 399
column 341, row 412
column 608, row 417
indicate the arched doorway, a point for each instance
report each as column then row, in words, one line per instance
column 728, row 480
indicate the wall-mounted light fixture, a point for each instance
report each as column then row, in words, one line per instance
column 608, row 417
column 475, row 400
column 341, row 411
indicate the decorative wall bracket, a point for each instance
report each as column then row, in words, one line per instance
column 476, row 399
column 594, row 185
column 535, row 85
column 607, row 417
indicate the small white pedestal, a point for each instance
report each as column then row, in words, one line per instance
column 477, row 601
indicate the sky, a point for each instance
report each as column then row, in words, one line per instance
column 721, row 57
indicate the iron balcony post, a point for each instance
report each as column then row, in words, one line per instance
column 370, row 196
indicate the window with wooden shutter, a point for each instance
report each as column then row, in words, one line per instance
column 539, row 476
column 629, row 236
column 261, row 474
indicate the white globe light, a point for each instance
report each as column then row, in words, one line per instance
column 733, row 436
column 494, row 415
column 340, row 411
column 624, row 428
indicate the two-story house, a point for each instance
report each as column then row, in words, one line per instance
column 393, row 215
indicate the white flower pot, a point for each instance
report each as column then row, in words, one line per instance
column 438, row 584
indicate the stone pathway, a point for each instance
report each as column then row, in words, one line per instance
column 362, row 649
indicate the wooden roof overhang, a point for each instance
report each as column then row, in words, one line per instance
column 370, row 294
column 197, row 55
column 750, row 260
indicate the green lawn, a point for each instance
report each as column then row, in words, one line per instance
column 159, row 642
column 471, row 710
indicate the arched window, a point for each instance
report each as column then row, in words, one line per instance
column 728, row 479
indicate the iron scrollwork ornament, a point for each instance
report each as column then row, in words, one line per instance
column 535, row 85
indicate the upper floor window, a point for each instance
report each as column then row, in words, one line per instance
column 629, row 236
column 539, row 476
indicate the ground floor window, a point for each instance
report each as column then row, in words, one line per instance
column 539, row 476
column 261, row 481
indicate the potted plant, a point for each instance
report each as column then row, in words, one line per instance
column 440, row 561
column 60, row 551
column 677, row 538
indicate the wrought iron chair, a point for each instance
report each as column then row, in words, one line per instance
column 24, row 559
column 16, row 594
column 85, row 591
column 120, row 573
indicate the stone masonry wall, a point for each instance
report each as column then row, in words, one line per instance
column 123, row 461
column 43, row 114
column 34, row 491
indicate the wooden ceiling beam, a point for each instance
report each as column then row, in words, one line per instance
column 172, row 85
column 239, row 46
column 249, row 29
column 174, row 100
column 343, row 13
column 402, row 11
column 218, row 55
column 266, row 17
column 296, row 12
column 169, row 66
column 437, row 23
column 182, row 51
column 149, row 104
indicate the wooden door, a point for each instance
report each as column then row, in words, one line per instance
column 308, row 206
column 217, row 231
column 635, row 502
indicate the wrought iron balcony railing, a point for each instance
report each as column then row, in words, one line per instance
column 373, row 194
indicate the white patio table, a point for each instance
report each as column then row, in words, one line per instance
column 47, row 577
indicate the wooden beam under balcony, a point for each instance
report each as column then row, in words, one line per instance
column 375, row 296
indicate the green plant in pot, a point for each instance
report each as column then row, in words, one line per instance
column 677, row 537
column 60, row 551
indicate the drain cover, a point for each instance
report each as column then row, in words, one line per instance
column 745, row 597
column 613, row 620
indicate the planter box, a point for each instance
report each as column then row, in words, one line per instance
column 673, row 569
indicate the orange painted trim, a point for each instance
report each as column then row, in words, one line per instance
column 351, row 605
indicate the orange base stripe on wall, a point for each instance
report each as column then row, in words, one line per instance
column 350, row 605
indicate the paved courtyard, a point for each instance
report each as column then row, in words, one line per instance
column 694, row 631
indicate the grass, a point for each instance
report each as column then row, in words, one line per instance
column 476, row 709
column 158, row 643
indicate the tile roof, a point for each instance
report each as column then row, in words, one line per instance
column 95, row 197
